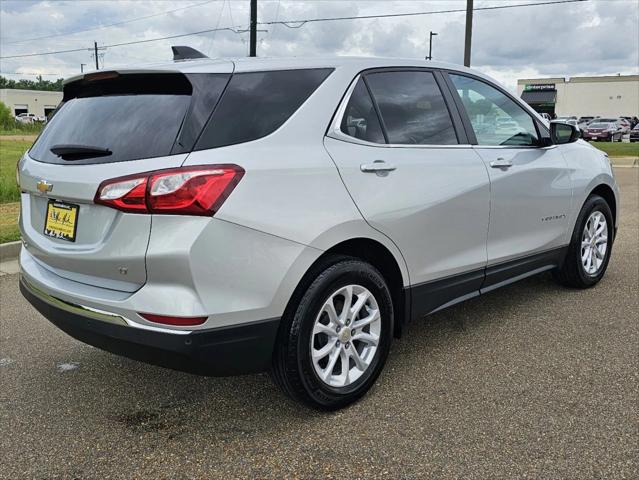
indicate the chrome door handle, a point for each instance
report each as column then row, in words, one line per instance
column 501, row 163
column 378, row 166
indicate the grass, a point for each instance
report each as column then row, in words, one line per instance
column 20, row 129
column 10, row 153
column 618, row 149
column 9, row 222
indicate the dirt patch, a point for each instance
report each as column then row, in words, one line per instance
column 18, row 138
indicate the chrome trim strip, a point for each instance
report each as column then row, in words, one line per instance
column 142, row 326
column 93, row 313
column 512, row 147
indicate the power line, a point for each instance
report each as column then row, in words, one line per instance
column 231, row 29
column 236, row 29
column 32, row 74
column 410, row 14
column 123, row 22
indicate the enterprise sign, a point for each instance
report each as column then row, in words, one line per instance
column 539, row 87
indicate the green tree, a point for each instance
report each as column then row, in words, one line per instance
column 38, row 84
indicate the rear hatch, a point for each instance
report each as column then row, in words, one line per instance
column 108, row 125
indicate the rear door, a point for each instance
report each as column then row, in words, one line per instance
column 108, row 125
column 531, row 188
column 408, row 167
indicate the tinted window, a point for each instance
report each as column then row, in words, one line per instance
column 412, row 108
column 133, row 116
column 360, row 118
column 496, row 118
column 256, row 104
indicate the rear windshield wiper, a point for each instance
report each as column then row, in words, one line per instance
column 79, row 152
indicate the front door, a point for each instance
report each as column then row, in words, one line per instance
column 530, row 185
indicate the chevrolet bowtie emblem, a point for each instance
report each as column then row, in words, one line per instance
column 44, row 186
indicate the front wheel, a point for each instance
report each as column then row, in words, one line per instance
column 333, row 344
column 590, row 246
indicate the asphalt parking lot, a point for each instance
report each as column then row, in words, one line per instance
column 531, row 381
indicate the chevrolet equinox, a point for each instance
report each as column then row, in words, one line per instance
column 294, row 215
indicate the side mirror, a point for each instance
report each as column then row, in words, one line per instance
column 562, row 133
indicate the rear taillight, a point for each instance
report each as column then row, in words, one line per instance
column 199, row 190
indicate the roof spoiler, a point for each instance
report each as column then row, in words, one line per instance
column 186, row 53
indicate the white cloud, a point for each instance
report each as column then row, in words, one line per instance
column 594, row 37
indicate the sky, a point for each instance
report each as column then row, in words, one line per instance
column 594, row 37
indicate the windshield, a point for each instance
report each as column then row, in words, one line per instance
column 601, row 125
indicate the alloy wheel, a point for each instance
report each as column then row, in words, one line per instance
column 345, row 336
column 594, row 243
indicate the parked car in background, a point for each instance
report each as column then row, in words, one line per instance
column 583, row 122
column 295, row 214
column 634, row 133
column 26, row 118
column 625, row 125
column 608, row 131
column 546, row 116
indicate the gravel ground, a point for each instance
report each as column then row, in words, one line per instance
column 531, row 381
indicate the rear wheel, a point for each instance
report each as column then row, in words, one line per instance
column 590, row 247
column 334, row 342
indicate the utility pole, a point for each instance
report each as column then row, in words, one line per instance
column 469, row 32
column 82, row 67
column 253, row 27
column 430, row 46
column 95, row 49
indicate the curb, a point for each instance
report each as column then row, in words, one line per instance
column 624, row 161
column 10, row 250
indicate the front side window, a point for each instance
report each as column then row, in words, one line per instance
column 360, row 118
column 496, row 118
column 412, row 107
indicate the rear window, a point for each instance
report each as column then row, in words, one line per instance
column 256, row 104
column 130, row 116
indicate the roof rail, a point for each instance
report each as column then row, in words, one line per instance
column 186, row 53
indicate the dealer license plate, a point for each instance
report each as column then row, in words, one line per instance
column 62, row 220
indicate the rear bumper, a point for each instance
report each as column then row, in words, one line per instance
column 233, row 350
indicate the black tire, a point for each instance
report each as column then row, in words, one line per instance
column 572, row 273
column 292, row 367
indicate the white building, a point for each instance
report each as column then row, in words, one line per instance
column 606, row 96
column 38, row 102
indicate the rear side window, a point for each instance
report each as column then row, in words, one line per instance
column 256, row 104
column 131, row 117
column 412, row 107
column 360, row 118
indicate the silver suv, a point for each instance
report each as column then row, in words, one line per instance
column 295, row 215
